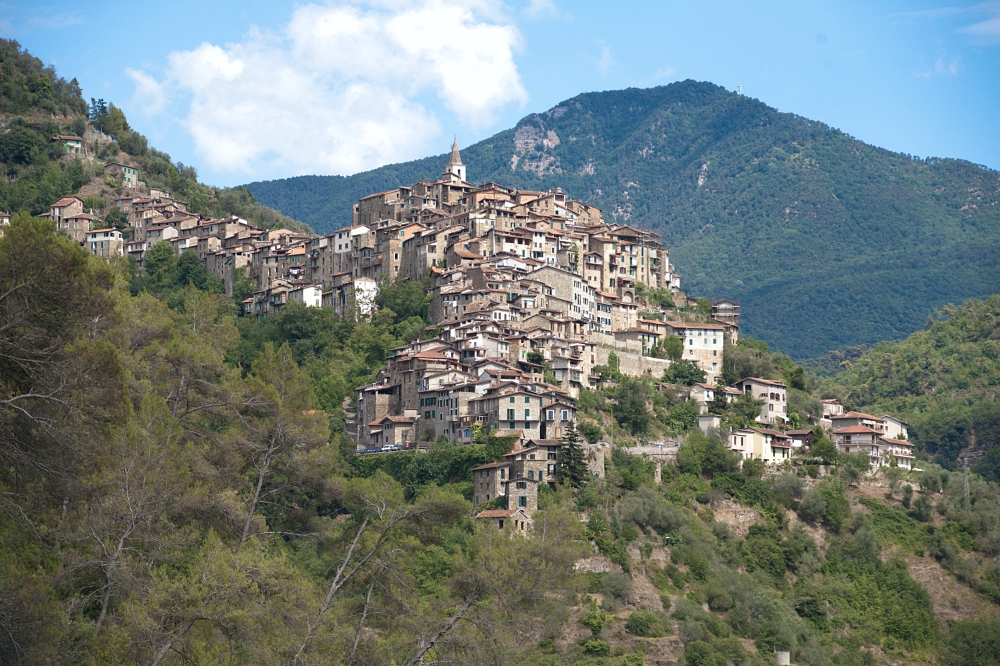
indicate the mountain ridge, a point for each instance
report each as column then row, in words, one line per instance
column 806, row 225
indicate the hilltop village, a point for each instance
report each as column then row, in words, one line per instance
column 532, row 297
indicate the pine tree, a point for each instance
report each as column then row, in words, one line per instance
column 572, row 465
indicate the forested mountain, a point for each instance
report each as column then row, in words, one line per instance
column 37, row 105
column 944, row 380
column 827, row 241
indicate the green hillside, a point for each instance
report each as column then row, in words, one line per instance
column 176, row 491
column 944, row 380
column 37, row 105
column 828, row 242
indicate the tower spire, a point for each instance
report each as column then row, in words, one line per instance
column 455, row 168
column 456, row 159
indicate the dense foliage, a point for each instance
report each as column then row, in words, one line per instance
column 164, row 506
column 943, row 380
column 827, row 241
column 179, row 489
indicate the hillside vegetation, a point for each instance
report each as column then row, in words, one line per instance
column 175, row 491
column 827, row 241
column 944, row 380
column 36, row 105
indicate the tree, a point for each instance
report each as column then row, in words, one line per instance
column 116, row 218
column 59, row 376
column 406, row 298
column 824, row 449
column 685, row 373
column 630, row 405
column 674, row 347
column 591, row 431
column 893, row 474
column 572, row 465
column 281, row 428
column 854, row 466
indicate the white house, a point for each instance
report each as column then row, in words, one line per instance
column 894, row 428
column 772, row 393
column 311, row 296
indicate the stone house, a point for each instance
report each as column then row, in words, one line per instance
column 392, row 430
column 76, row 226
column 126, row 175
column 489, row 482
column 512, row 519
column 65, row 207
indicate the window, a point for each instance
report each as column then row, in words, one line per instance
column 527, row 414
column 565, row 415
column 531, row 475
column 512, row 425
column 527, row 400
column 522, row 501
column 511, row 397
column 550, row 415
column 501, row 523
column 521, row 485
column 503, row 473
column 510, row 414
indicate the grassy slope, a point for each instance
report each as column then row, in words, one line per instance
column 829, row 242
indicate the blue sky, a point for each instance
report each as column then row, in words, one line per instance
column 255, row 90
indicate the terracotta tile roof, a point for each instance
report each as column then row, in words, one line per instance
column 855, row 415
column 762, row 381
column 490, row 466
column 497, row 513
column 854, row 430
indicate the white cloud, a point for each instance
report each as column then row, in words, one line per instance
column 605, row 60
column 944, row 65
column 666, row 72
column 149, row 95
column 540, row 9
column 336, row 90
column 988, row 29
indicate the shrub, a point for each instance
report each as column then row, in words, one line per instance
column 787, row 489
column 973, row 643
column 645, row 623
column 591, row 431
column 616, row 585
column 595, row 620
column 699, row 653
column 718, row 599
column 597, row 648
column 922, row 508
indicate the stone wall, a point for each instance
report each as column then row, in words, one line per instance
column 632, row 363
